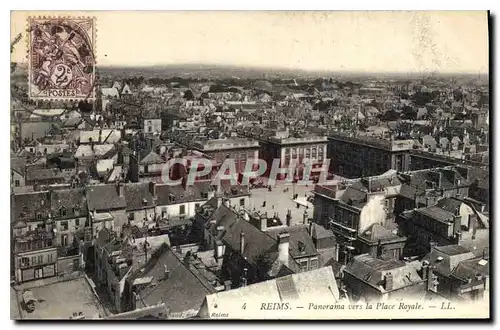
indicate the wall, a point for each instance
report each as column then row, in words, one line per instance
column 140, row 215
column 17, row 177
column 70, row 232
column 173, row 210
column 45, row 259
column 68, row 265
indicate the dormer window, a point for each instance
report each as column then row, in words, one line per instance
column 302, row 247
column 62, row 212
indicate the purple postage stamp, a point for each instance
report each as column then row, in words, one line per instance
column 61, row 58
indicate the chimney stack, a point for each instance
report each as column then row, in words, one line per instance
column 389, row 282
column 166, row 272
column 152, row 188
column 311, row 228
column 425, row 269
column 242, row 242
column 457, row 224
column 289, row 218
column 283, row 247
column 227, row 285
column 263, row 222
column 244, row 277
column 119, row 188
column 305, row 217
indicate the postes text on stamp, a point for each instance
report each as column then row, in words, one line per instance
column 61, row 58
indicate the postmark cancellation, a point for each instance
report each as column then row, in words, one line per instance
column 61, row 58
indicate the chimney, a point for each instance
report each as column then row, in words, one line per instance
column 100, row 136
column 119, row 189
column 457, row 224
column 152, row 188
column 227, row 285
column 263, row 222
column 166, row 272
column 369, row 184
column 242, row 242
column 389, row 281
column 472, row 221
column 305, row 217
column 440, row 182
column 219, row 197
column 244, row 277
column 220, row 229
column 311, row 228
column 425, row 269
column 289, row 218
column 283, row 247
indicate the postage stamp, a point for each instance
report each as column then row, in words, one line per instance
column 61, row 58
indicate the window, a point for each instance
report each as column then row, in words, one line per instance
column 303, row 265
column 131, row 216
column 33, row 260
column 62, row 212
column 182, row 209
column 197, row 205
column 64, row 225
column 77, row 222
column 64, row 240
column 39, row 216
column 49, row 242
column 314, row 264
column 242, row 202
column 17, row 183
column 40, row 259
column 24, row 261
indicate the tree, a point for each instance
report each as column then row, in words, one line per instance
column 409, row 113
column 390, row 115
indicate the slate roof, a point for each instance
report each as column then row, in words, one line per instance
column 69, row 199
column 45, row 174
column 257, row 243
column 191, row 194
column 446, row 258
column 378, row 232
column 18, row 164
column 449, row 204
column 138, row 196
column 152, row 158
column 182, row 291
column 436, row 213
column 320, row 232
column 373, row 270
column 104, row 197
column 471, row 268
column 316, row 285
column 301, row 243
column 26, row 206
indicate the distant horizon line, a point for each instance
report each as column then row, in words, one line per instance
column 288, row 70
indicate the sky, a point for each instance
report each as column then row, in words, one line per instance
column 431, row 41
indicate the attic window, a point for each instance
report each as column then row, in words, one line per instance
column 302, row 247
column 439, row 259
column 144, row 201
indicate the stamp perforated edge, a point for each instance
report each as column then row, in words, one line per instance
column 94, row 51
